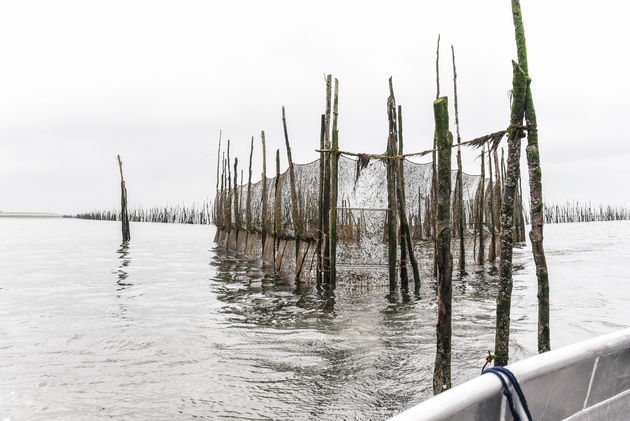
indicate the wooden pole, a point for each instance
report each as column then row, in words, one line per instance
column 124, row 214
column 434, row 167
column 392, row 228
column 504, row 297
column 482, row 182
column 326, row 200
column 536, row 206
column 297, row 226
column 460, row 181
column 264, row 217
column 334, row 169
column 492, row 247
column 216, row 196
column 248, row 203
column 228, row 201
column 237, row 213
column 320, row 204
column 498, row 194
column 442, row 371
column 277, row 208
column 402, row 205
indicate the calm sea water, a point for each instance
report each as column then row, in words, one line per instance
column 173, row 327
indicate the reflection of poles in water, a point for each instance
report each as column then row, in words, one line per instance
column 125, row 260
column 124, row 215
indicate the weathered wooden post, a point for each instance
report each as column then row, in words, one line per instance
column 320, row 204
column 402, row 205
column 482, row 181
column 492, row 248
column 392, row 228
column 216, row 196
column 460, row 181
column 228, row 200
column 277, row 208
column 334, row 167
column 248, row 203
column 297, row 226
column 326, row 200
column 124, row 214
column 434, row 167
column 504, row 296
column 237, row 213
column 442, row 371
column 264, row 217
column 535, row 189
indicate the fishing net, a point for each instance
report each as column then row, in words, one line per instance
column 362, row 203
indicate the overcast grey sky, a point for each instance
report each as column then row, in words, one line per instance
column 155, row 81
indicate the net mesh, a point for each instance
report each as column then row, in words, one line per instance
column 362, row 203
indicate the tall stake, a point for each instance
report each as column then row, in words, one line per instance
column 297, row 226
column 442, row 371
column 460, row 181
column 277, row 208
column 248, row 203
column 434, row 167
column 482, row 187
column 237, row 212
column 334, row 167
column 228, row 201
column 402, row 205
column 320, row 204
column 504, row 297
column 392, row 228
column 492, row 248
column 264, row 217
column 124, row 214
column 535, row 189
column 219, row 158
column 326, row 200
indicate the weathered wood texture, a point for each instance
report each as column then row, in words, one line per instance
column 442, row 370
column 124, row 214
column 504, row 296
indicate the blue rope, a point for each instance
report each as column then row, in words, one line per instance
column 497, row 371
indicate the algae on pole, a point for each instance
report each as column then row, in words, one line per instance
column 442, row 369
column 504, row 296
column 535, row 189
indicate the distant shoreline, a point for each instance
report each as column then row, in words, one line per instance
column 31, row 215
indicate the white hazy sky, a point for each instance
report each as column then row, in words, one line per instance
column 155, row 81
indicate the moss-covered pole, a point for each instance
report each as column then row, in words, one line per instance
column 264, row 217
column 320, row 206
column 217, row 197
column 219, row 159
column 248, row 203
column 498, row 194
column 460, row 181
column 237, row 213
column 326, row 199
column 492, row 247
column 404, row 222
column 228, row 201
column 124, row 214
column 297, row 226
column 334, row 169
column 535, row 189
column 434, row 166
column 482, row 182
column 392, row 228
column 442, row 370
column 504, row 296
column 277, row 209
